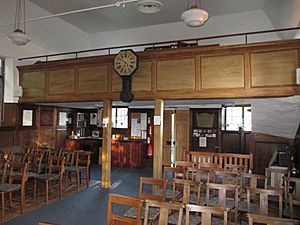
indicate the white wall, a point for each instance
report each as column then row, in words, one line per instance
column 232, row 23
column 49, row 36
column 276, row 116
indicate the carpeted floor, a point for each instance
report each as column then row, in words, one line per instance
column 89, row 206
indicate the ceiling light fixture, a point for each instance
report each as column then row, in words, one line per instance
column 149, row 6
column 19, row 36
column 194, row 16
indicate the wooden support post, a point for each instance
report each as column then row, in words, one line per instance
column 158, row 139
column 106, row 144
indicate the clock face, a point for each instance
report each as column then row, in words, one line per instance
column 125, row 63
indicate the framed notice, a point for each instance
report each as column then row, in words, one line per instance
column 27, row 119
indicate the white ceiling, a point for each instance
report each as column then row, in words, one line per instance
column 114, row 18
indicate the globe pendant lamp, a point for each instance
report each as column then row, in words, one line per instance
column 19, row 37
column 194, row 16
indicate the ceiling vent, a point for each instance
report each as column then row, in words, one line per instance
column 149, row 6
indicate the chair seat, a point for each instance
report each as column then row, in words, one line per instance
column 48, row 176
column 75, row 168
column 153, row 213
column 32, row 175
column 6, row 187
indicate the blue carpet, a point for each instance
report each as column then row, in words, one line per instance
column 88, row 207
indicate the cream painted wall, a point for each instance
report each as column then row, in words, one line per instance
column 49, row 36
column 232, row 23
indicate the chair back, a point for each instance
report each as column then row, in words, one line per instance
column 262, row 219
column 83, row 158
column 35, row 161
column 275, row 177
column 69, row 157
column 224, row 190
column 186, row 187
column 184, row 164
column 114, row 219
column 197, row 175
column 57, row 165
column 206, row 213
column 172, row 172
column 18, row 173
column 264, row 195
column 165, row 209
column 3, row 170
column 223, row 177
column 18, row 157
column 153, row 184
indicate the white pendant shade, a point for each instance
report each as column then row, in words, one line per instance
column 18, row 37
column 194, row 17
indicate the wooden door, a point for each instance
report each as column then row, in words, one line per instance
column 181, row 132
column 167, row 138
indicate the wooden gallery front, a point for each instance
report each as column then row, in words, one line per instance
column 256, row 70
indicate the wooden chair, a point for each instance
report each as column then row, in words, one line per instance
column 262, row 219
column 82, row 165
column 113, row 219
column 187, row 187
column 264, row 200
column 275, row 179
column 223, row 191
column 164, row 212
column 18, row 157
column 293, row 192
column 55, row 173
column 16, row 182
column 206, row 215
column 238, row 169
column 250, row 181
column 153, row 189
column 153, row 184
column 169, row 174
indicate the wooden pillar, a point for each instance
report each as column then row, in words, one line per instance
column 158, row 139
column 106, row 144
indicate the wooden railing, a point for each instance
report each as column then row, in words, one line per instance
column 221, row 159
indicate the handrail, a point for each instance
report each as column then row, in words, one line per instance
column 246, row 34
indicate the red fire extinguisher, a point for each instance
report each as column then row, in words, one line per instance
column 149, row 137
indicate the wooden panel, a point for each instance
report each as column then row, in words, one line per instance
column 92, row 79
column 46, row 117
column 176, row 75
column 116, row 82
column 231, row 142
column 141, row 80
column 222, row 71
column 27, row 137
column 182, row 119
column 33, row 84
column 10, row 115
column 276, row 68
column 61, row 81
column 45, row 138
column 7, row 138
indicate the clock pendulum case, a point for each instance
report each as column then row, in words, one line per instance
column 125, row 65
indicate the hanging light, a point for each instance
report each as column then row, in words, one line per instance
column 19, row 36
column 194, row 16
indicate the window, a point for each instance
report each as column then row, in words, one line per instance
column 119, row 117
column 236, row 118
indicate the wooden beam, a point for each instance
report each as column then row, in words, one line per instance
column 106, row 145
column 158, row 139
